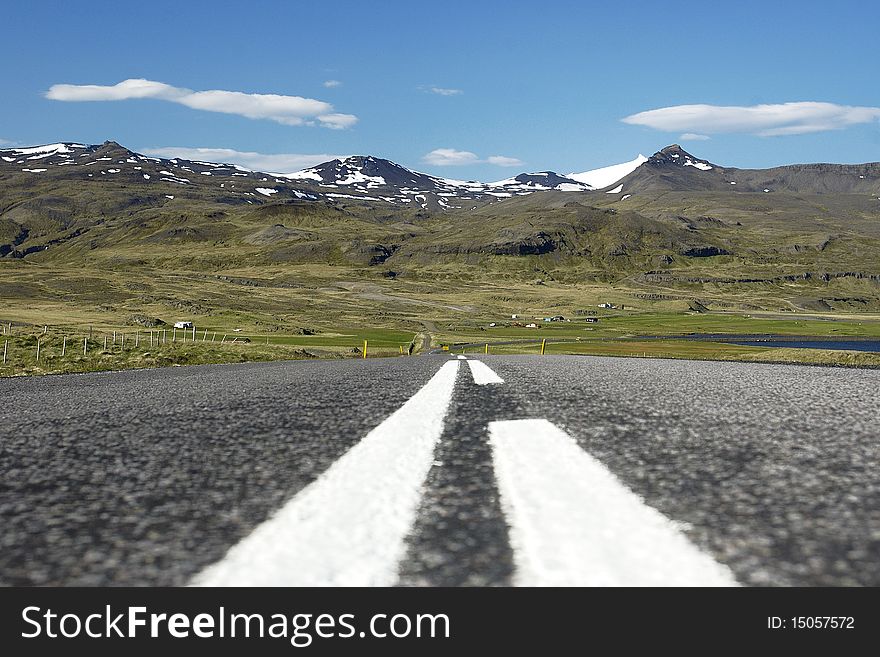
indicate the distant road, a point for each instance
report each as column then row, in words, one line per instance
column 443, row 470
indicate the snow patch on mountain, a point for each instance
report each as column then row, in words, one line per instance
column 48, row 149
column 702, row 166
column 606, row 176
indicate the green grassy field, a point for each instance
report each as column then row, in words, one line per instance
column 68, row 350
column 329, row 310
column 691, row 350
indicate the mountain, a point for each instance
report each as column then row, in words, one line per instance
column 674, row 222
column 372, row 179
column 674, row 169
column 365, row 177
column 353, row 179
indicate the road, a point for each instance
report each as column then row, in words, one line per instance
column 443, row 470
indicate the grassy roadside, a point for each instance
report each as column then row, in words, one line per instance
column 63, row 353
column 692, row 350
column 616, row 333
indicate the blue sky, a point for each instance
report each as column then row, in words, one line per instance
column 459, row 89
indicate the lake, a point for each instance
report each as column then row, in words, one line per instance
column 789, row 341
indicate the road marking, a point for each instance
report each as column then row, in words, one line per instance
column 483, row 374
column 572, row 523
column 348, row 527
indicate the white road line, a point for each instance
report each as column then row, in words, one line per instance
column 483, row 374
column 572, row 523
column 347, row 528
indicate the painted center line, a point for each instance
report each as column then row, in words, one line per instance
column 348, row 527
column 572, row 523
column 482, row 373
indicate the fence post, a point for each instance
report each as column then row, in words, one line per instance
column 194, row 332
column 63, row 345
column 205, row 336
column 137, row 338
column 114, row 337
column 223, row 339
column 38, row 350
column 105, row 343
column 5, row 347
column 123, row 342
column 213, row 335
column 174, row 334
column 86, row 345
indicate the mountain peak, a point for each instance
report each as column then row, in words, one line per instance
column 677, row 156
column 113, row 149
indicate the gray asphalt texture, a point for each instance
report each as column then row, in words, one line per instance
column 146, row 477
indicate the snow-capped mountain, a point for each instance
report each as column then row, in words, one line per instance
column 366, row 177
column 674, row 169
column 111, row 163
column 343, row 181
column 373, row 180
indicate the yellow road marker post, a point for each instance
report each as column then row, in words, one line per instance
column 543, row 344
column 487, row 347
column 365, row 348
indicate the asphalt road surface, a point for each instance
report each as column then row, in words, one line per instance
column 441, row 470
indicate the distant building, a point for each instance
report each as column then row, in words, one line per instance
column 514, row 317
column 183, row 325
column 532, row 325
column 591, row 320
column 606, row 305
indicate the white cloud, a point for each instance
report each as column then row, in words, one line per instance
column 269, row 163
column 332, row 83
column 691, row 136
column 449, row 157
column 761, row 120
column 442, row 91
column 338, row 121
column 502, row 161
column 287, row 110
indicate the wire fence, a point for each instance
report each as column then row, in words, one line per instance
column 78, row 348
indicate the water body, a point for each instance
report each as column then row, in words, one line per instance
column 847, row 345
column 788, row 341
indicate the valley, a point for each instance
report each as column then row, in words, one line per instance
column 310, row 264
